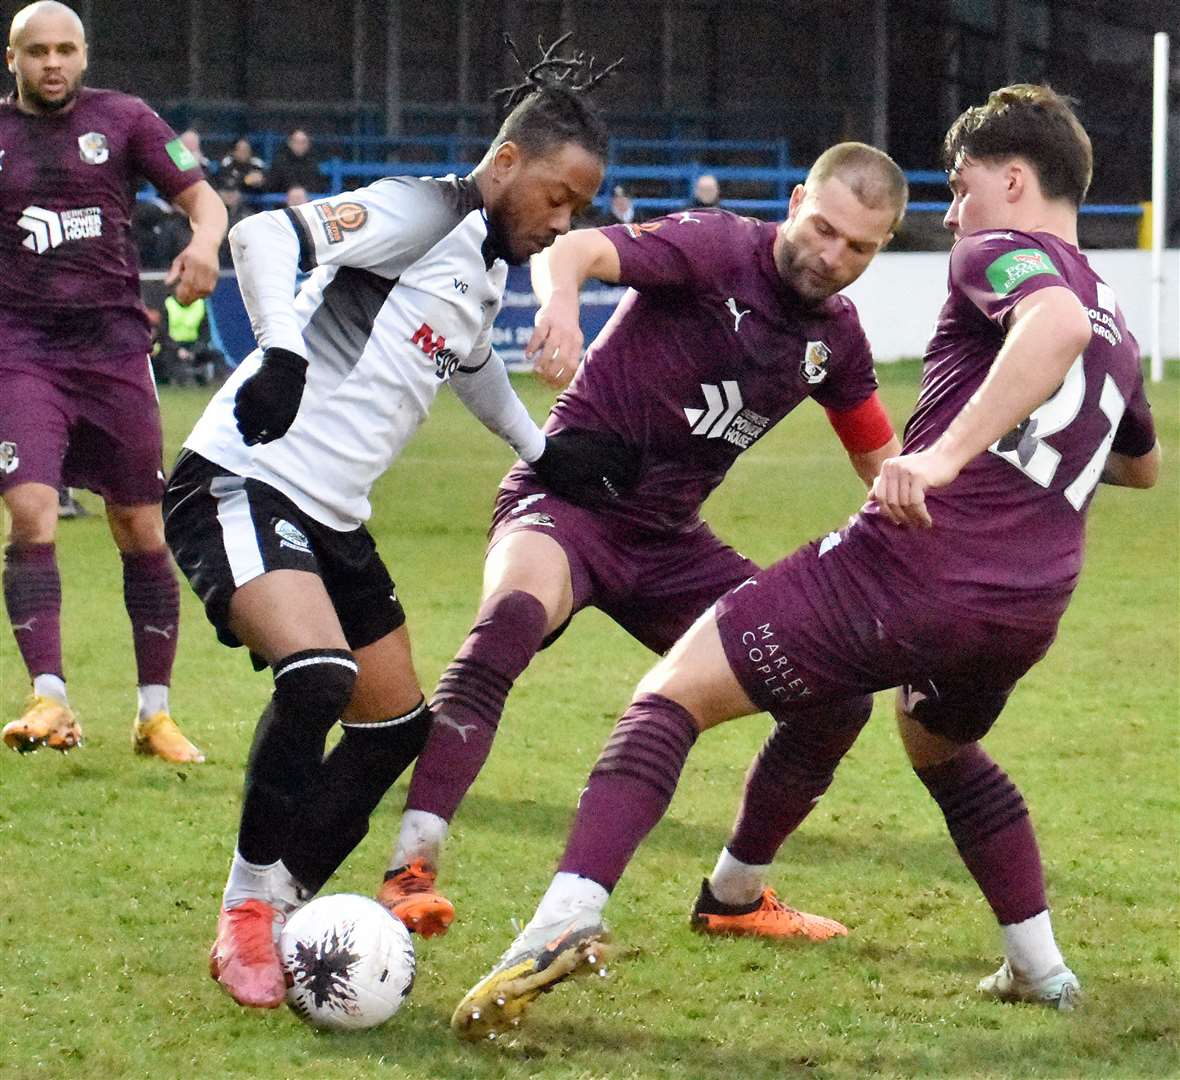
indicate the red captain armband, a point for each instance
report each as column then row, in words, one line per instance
column 863, row 428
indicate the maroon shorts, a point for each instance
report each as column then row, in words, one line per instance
column 654, row 585
column 816, row 628
column 94, row 427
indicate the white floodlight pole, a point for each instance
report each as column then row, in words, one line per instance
column 1159, row 208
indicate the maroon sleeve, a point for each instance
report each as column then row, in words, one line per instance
column 852, row 380
column 677, row 251
column 996, row 270
column 156, row 153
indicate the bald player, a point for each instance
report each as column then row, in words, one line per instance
column 79, row 407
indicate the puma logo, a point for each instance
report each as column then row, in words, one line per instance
column 24, row 626
column 731, row 303
column 687, row 217
column 166, row 632
column 462, row 729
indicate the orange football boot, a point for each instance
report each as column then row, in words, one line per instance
column 767, row 917
column 158, row 736
column 245, row 958
column 46, row 722
column 408, row 894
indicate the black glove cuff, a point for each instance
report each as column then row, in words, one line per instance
column 284, row 360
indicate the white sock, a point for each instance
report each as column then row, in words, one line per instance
column 153, row 699
column 736, row 882
column 249, row 881
column 567, row 895
column 51, row 686
column 288, row 893
column 1032, row 953
column 422, row 836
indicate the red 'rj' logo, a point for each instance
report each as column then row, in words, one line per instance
column 424, row 338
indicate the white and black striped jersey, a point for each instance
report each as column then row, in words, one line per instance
column 404, row 286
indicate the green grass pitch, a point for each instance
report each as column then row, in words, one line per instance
column 111, row 867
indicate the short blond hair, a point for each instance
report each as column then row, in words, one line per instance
column 871, row 175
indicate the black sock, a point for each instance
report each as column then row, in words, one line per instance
column 312, row 689
column 355, row 776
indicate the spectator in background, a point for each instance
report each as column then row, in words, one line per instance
column 620, row 212
column 243, row 167
column 297, row 195
column 706, row 193
column 295, row 165
column 183, row 354
column 229, row 189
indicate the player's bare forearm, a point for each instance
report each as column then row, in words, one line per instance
column 868, row 464
column 195, row 268
column 572, row 260
column 1047, row 333
column 1122, row 470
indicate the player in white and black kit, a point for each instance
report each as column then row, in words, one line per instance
column 265, row 511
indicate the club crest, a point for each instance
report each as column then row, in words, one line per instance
column 814, row 368
column 8, row 458
column 93, row 148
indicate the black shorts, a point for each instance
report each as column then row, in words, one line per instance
column 225, row 530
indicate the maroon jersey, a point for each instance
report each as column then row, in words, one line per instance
column 69, row 277
column 705, row 354
column 1008, row 532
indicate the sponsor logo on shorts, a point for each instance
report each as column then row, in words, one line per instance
column 340, row 218
column 780, row 678
column 93, row 148
column 48, row 228
column 1013, row 267
column 9, row 460
column 814, row 368
column 291, row 537
column 182, row 157
column 537, row 518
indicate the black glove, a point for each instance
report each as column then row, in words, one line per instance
column 587, row 467
column 267, row 402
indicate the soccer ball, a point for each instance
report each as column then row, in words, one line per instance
column 349, row 963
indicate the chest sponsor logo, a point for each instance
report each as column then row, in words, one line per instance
column 9, row 460
column 290, row 536
column 738, row 315
column 814, row 368
column 1013, row 267
column 338, row 219
column 435, row 346
column 49, row 228
column 93, row 148
column 724, row 417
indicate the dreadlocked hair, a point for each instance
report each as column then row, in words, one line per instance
column 550, row 107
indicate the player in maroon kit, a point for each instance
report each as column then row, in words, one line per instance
column 949, row 583
column 79, row 407
column 730, row 324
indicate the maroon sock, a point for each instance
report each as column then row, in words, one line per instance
column 32, row 595
column 629, row 788
column 153, row 604
column 989, row 823
column 792, row 770
column 469, row 701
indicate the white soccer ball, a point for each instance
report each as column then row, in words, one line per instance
column 349, row 963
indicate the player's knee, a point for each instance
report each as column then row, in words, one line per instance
column 32, row 513
column 315, row 685
column 136, row 528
